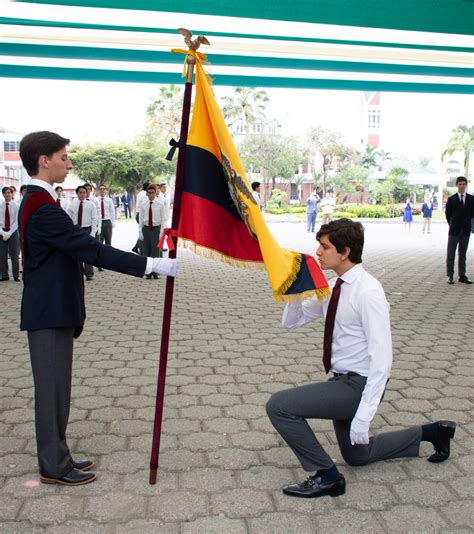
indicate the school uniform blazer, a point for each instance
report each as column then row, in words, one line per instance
column 459, row 217
column 53, row 292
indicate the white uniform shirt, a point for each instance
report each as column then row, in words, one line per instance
column 109, row 210
column 165, row 199
column 158, row 212
column 13, row 211
column 327, row 205
column 89, row 214
column 140, row 198
column 362, row 339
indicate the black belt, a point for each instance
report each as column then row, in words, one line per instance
column 344, row 374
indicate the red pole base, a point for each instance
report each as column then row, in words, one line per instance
column 153, row 475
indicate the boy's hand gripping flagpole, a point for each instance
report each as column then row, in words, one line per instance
column 168, row 304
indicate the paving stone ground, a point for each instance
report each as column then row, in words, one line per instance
column 222, row 464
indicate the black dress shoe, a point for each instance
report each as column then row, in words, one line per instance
column 465, row 280
column 75, row 477
column 4, row 279
column 83, row 465
column 89, row 278
column 442, row 446
column 17, row 279
column 313, row 487
column 450, row 280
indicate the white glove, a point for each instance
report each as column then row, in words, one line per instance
column 165, row 266
column 359, row 432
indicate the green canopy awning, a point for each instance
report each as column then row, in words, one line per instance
column 415, row 46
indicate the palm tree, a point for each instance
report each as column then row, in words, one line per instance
column 462, row 141
column 164, row 113
column 369, row 157
column 248, row 103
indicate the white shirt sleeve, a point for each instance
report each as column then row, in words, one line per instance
column 375, row 319
column 111, row 211
column 298, row 314
column 94, row 221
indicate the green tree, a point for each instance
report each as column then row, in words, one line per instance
column 118, row 166
column 462, row 141
column 394, row 188
column 274, row 155
column 164, row 114
column 349, row 179
column 369, row 157
column 330, row 145
column 247, row 103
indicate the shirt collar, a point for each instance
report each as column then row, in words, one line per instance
column 46, row 186
column 352, row 274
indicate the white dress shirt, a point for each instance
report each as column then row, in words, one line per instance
column 158, row 212
column 165, row 199
column 256, row 197
column 362, row 339
column 140, row 198
column 13, row 211
column 89, row 214
column 109, row 210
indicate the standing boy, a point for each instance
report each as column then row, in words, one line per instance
column 53, row 308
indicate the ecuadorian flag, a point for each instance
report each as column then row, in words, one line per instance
column 219, row 216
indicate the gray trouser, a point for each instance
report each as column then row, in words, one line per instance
column 336, row 399
column 106, row 232
column 461, row 242
column 12, row 247
column 151, row 237
column 51, row 361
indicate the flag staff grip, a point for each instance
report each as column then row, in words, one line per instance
column 168, row 302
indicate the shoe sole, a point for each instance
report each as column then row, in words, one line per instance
column 322, row 494
column 46, row 480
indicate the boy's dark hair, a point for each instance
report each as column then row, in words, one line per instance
column 81, row 187
column 163, row 183
column 255, row 185
column 23, row 187
column 37, row 144
column 145, row 186
column 6, row 188
column 87, row 184
column 151, row 186
column 461, row 179
column 345, row 233
column 58, row 187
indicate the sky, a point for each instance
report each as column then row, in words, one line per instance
column 414, row 125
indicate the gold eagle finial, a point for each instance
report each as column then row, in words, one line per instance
column 193, row 44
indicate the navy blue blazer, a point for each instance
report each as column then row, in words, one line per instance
column 53, row 292
column 459, row 217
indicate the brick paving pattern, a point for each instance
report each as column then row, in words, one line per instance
column 222, row 464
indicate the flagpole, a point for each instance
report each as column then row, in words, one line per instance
column 168, row 304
